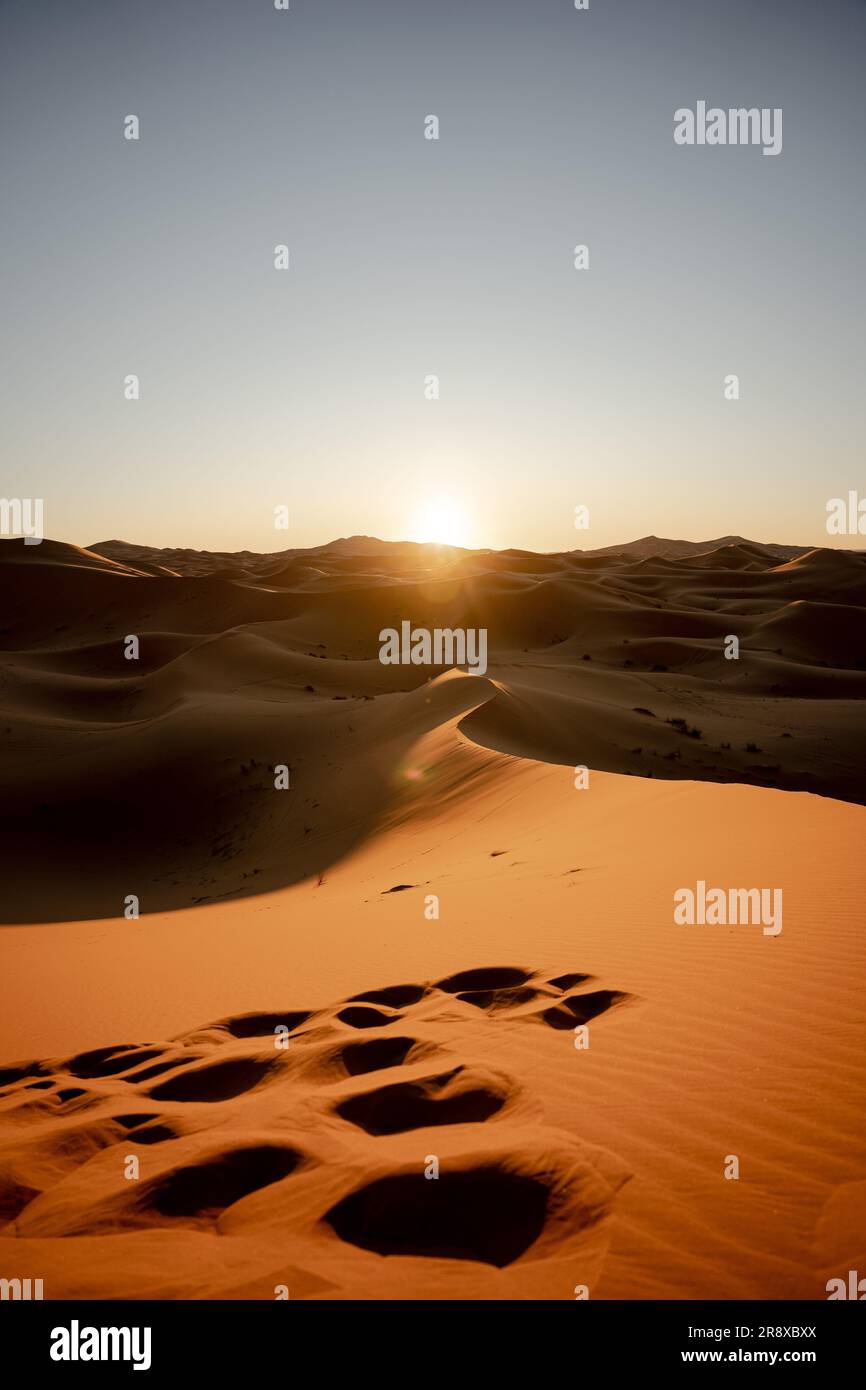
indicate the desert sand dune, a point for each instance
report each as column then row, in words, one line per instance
column 167, row 762
column 304, row 1165
column 303, row 917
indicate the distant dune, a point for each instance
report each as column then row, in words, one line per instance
column 412, row 1035
column 249, row 661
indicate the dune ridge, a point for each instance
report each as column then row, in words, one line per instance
column 601, row 1167
column 612, row 661
column 289, row 1036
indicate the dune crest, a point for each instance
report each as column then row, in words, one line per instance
column 426, row 1023
column 249, row 662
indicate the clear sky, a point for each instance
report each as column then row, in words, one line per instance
column 410, row 257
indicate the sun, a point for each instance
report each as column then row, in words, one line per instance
column 442, row 521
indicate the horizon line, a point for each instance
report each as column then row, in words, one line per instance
column 714, row 542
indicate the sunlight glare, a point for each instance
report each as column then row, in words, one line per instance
column 442, row 521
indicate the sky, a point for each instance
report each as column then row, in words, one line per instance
column 304, row 388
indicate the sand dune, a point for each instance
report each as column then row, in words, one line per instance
column 166, row 762
column 604, row 1167
column 303, row 917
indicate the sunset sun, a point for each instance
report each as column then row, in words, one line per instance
column 442, row 521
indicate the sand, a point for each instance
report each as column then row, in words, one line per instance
column 416, row 1040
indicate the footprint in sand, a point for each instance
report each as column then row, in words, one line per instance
column 327, row 1138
